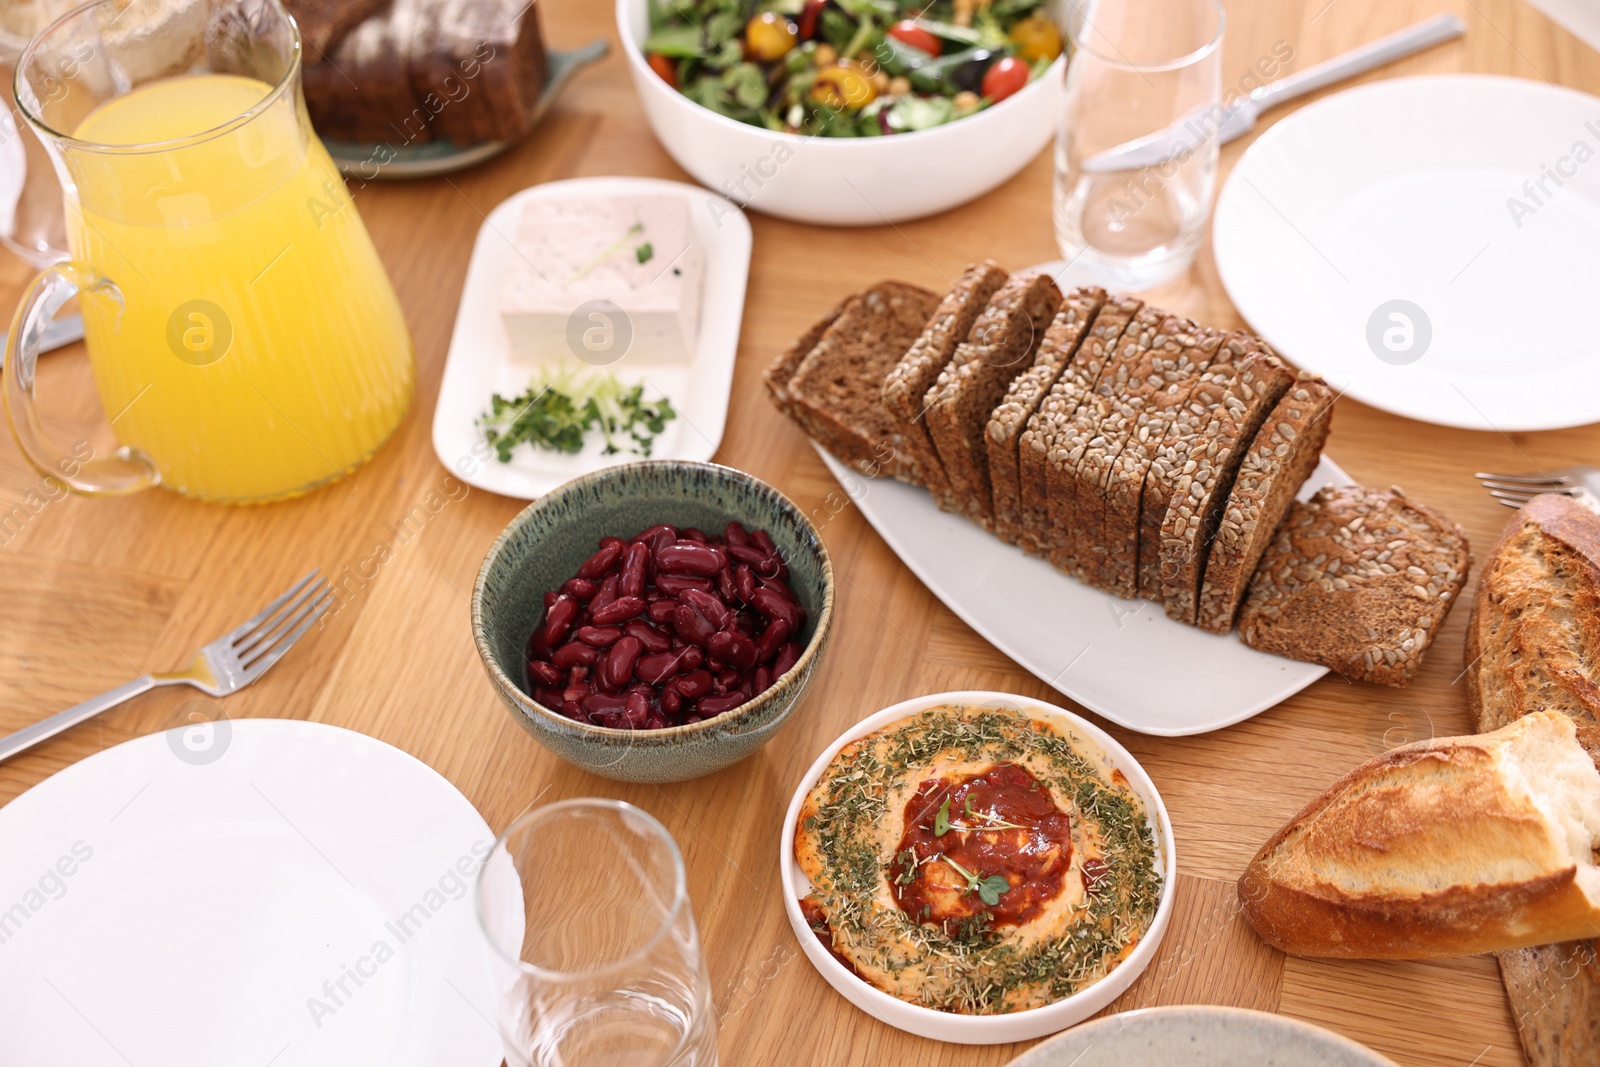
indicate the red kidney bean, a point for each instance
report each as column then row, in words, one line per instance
column 580, row 588
column 575, row 654
column 537, row 649
column 550, row 696
column 576, row 691
column 648, row 536
column 655, row 721
column 600, row 564
column 616, row 668
column 714, row 610
column 774, row 605
column 656, row 668
column 651, row 638
column 619, row 610
column 748, row 554
column 772, row 638
column 603, row 703
column 733, row 647
column 661, row 610
column 744, row 582
column 725, row 586
column 693, row 685
column 598, row 636
column 633, row 567
column 693, row 658
column 544, row 671
column 763, row 678
column 572, row 709
column 688, row 557
column 638, row 710
column 677, row 584
column 671, row 700
column 716, row 665
column 692, row 533
column 605, row 595
column 764, row 542
column 550, row 600
column 728, row 679
column 558, row 620
column 781, row 587
column 716, row 705
column 735, row 534
column 788, row 656
column 691, row 625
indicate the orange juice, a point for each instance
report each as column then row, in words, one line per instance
column 258, row 350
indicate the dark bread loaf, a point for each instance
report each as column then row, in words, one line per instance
column 362, row 92
column 324, row 23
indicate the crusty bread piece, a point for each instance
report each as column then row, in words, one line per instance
column 1009, row 420
column 1051, row 422
column 1182, row 353
column 323, row 23
column 1000, row 347
column 1448, row 847
column 1555, row 998
column 479, row 66
column 1359, row 580
column 1282, row 456
column 1083, row 455
column 834, row 392
column 1195, row 468
column 776, row 377
column 906, row 386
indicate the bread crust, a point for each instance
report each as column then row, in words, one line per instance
column 1555, row 998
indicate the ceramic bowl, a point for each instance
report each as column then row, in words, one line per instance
column 543, row 547
column 852, row 181
column 984, row 1029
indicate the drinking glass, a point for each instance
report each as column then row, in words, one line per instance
column 1144, row 74
column 245, row 339
column 595, row 960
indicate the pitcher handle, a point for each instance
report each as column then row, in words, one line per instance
column 127, row 470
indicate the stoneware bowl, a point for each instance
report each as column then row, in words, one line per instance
column 545, row 544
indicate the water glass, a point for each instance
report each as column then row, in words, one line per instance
column 1143, row 74
column 595, row 960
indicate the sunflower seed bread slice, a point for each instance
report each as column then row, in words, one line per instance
column 1000, row 347
column 1358, row 580
column 1284, row 453
column 776, row 377
column 907, row 383
column 834, row 392
column 1040, row 535
column 1183, row 351
column 1196, row 466
column 1009, row 421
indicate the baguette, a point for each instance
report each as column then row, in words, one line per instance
column 1448, row 847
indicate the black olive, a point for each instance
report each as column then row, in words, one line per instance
column 969, row 75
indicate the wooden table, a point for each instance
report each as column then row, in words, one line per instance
column 99, row 591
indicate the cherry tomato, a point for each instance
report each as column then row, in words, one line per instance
column 1004, row 78
column 769, row 37
column 808, row 18
column 1036, row 38
column 908, row 32
column 843, row 85
column 665, row 67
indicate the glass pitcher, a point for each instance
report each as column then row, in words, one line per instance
column 245, row 340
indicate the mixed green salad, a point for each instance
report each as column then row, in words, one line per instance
column 850, row 68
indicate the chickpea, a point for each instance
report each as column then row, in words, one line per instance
column 899, row 86
column 966, row 102
column 825, row 56
column 880, row 82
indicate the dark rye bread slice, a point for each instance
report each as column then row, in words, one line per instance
column 906, row 386
column 1040, row 535
column 1358, row 580
column 1000, row 347
column 1195, row 468
column 776, row 377
column 833, row 393
column 1284, row 453
column 324, row 23
column 1082, row 456
column 362, row 90
column 1009, row 421
column 1183, row 352
column 479, row 66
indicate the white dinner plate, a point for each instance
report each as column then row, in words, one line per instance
column 1197, row 1036
column 1123, row 659
column 247, row 892
column 985, row 1029
column 1430, row 246
column 478, row 364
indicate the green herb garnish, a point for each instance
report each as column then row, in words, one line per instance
column 560, row 408
column 988, row 889
column 941, row 819
column 645, row 252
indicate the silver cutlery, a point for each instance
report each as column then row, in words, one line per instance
column 1514, row 490
column 224, row 666
column 1191, row 131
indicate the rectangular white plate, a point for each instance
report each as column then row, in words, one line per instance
column 1123, row 659
column 479, row 364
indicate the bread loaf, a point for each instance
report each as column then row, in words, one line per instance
column 1448, row 847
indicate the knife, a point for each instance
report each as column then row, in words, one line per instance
column 58, row 334
column 1190, row 132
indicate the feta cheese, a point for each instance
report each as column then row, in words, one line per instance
column 604, row 281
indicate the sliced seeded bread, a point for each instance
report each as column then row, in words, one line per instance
column 834, row 391
column 1182, row 352
column 1195, row 468
column 1009, row 421
column 776, row 377
column 907, row 383
column 1083, row 456
column 1036, row 452
column 1000, row 347
column 1284, row 453
column 324, row 23
column 1359, row 580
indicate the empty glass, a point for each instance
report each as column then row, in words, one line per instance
column 1136, row 151
column 595, row 959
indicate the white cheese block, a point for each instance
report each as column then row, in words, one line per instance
column 604, row 282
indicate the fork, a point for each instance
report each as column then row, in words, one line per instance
column 1514, row 490
column 220, row 668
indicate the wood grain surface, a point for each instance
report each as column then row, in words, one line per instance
column 97, row 591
